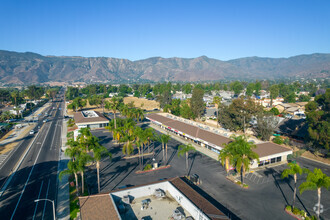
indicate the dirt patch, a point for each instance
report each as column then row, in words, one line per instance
column 11, row 145
column 314, row 157
column 142, row 103
column 138, row 102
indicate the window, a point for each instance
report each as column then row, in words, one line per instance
column 261, row 163
column 278, row 159
column 273, row 160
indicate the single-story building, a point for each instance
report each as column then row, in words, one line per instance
column 268, row 152
column 90, row 119
column 167, row 199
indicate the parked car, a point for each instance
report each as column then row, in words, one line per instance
column 32, row 132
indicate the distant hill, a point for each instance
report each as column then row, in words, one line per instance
column 28, row 68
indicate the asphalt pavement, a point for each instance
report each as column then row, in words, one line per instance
column 36, row 177
column 265, row 198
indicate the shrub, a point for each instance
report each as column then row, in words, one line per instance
column 286, row 141
column 245, row 185
column 313, row 218
column 147, row 167
column 288, row 208
column 278, row 140
column 302, row 213
column 307, row 218
column 239, row 182
column 296, row 211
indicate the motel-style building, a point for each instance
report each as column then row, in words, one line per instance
column 211, row 139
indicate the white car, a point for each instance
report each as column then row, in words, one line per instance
column 32, row 132
column 45, row 120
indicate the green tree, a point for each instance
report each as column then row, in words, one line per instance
column 241, row 154
column 304, row 98
column 266, row 124
column 274, row 92
column 293, row 170
column 114, row 105
column 249, row 89
column 197, row 103
column 187, row 88
column 257, row 88
column 318, row 115
column 15, row 95
column 274, row 111
column 315, row 181
column 73, row 168
column 237, row 87
column 291, row 98
column 184, row 150
column 186, row 112
column 164, row 139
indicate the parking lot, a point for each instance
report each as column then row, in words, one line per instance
column 266, row 197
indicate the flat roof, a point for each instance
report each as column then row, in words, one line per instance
column 198, row 200
column 102, row 206
column 80, row 118
column 263, row 150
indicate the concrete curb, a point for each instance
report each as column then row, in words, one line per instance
column 63, row 191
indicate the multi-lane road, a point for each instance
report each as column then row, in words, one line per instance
column 37, row 159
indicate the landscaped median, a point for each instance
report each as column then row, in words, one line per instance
column 149, row 169
column 298, row 214
column 234, row 180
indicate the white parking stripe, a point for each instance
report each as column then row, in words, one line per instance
column 35, row 210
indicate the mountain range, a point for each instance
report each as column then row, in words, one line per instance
column 32, row 68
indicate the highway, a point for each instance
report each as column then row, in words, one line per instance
column 36, row 177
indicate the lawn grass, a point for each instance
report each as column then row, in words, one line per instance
column 74, row 201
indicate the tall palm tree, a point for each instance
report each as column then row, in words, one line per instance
column 217, row 101
column 166, row 139
column 15, row 95
column 99, row 152
column 149, row 136
column 114, row 105
column 73, row 168
column 315, row 181
column 224, row 157
column 293, row 170
column 241, row 154
column 83, row 159
column 185, row 149
column 85, row 133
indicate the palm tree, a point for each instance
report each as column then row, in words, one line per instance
column 224, row 157
column 166, row 139
column 293, row 170
column 149, row 136
column 83, row 159
column 217, row 101
column 99, row 152
column 315, row 181
column 185, row 149
column 85, row 133
column 128, row 145
column 73, row 168
column 163, row 138
column 114, row 105
column 15, row 95
column 241, row 154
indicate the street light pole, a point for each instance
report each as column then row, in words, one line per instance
column 52, row 201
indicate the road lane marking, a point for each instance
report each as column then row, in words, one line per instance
column 27, row 181
column 45, row 204
column 51, row 145
column 35, row 210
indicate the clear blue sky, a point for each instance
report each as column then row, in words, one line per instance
column 167, row 28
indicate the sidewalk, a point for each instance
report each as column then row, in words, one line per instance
column 202, row 150
column 63, row 194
